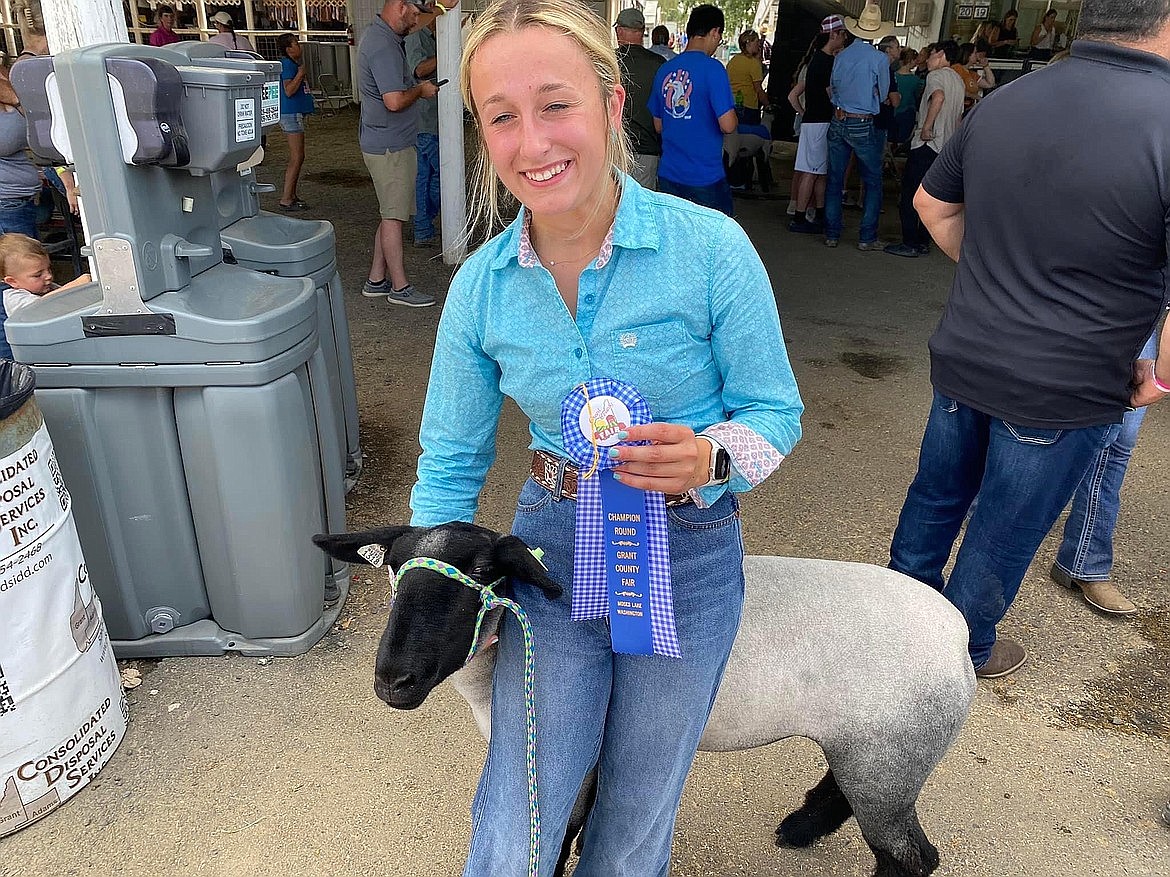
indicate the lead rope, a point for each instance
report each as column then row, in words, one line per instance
column 489, row 600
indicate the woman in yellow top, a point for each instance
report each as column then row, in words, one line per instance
column 746, row 73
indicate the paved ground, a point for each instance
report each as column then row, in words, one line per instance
column 238, row 766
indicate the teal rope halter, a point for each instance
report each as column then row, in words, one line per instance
column 488, row 601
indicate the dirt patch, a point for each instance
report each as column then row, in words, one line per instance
column 873, row 365
column 1131, row 697
column 342, row 177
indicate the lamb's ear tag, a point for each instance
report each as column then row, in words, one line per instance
column 538, row 553
column 373, row 554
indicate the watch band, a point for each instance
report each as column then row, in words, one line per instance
column 719, row 471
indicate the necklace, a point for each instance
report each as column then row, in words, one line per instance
column 588, row 255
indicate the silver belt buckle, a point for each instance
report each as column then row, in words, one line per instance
column 559, row 479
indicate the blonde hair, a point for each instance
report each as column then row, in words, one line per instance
column 569, row 18
column 18, row 246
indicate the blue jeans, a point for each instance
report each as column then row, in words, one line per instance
column 19, row 216
column 638, row 718
column 1024, row 477
column 426, row 187
column 717, row 196
column 1086, row 551
column 858, row 137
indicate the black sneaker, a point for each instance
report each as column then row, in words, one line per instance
column 803, row 226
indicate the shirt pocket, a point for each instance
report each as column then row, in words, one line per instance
column 664, row 362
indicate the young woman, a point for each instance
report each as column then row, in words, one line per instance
column 910, row 86
column 1004, row 45
column 295, row 103
column 1045, row 37
column 598, row 278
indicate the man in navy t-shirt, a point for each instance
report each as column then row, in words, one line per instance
column 1037, row 355
column 693, row 108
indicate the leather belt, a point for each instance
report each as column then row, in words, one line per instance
column 559, row 477
column 839, row 114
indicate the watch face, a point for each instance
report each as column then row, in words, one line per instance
column 722, row 464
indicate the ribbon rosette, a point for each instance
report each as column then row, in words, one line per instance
column 621, row 566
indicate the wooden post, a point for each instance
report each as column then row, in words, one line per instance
column 452, row 167
column 70, row 24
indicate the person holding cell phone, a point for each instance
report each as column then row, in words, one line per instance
column 390, row 104
column 422, row 59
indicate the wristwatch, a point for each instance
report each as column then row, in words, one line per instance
column 720, row 471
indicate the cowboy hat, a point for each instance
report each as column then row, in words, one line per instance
column 869, row 25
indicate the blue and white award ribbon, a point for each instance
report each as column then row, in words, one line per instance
column 621, row 566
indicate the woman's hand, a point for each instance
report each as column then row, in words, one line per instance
column 675, row 462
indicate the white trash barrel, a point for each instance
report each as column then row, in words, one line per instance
column 62, row 710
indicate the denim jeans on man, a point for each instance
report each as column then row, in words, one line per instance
column 914, row 233
column 426, row 187
column 857, row 137
column 717, row 196
column 1086, row 549
column 1024, row 477
column 641, row 715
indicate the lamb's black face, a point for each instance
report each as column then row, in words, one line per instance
column 432, row 620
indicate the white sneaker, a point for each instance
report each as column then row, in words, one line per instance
column 410, row 297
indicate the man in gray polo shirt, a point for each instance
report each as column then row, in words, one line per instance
column 1057, row 287
column 389, row 126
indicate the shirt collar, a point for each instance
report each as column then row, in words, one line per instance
column 633, row 228
column 379, row 21
column 1120, row 56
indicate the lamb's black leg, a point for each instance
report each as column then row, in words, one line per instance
column 563, row 858
column 825, row 809
column 917, row 856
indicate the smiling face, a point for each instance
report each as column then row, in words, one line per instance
column 544, row 121
column 167, row 20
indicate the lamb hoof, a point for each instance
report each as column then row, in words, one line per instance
column 825, row 809
column 799, row 830
column 920, row 861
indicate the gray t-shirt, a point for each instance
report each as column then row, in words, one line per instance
column 18, row 177
column 381, row 70
column 420, row 45
column 947, row 121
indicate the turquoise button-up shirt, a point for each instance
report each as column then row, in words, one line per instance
column 682, row 309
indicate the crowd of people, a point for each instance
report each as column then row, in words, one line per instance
column 860, row 99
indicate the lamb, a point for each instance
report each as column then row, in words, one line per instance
column 868, row 663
